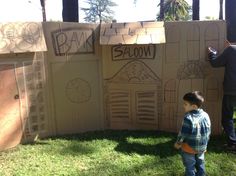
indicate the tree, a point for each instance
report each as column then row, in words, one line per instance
column 70, row 10
column 99, row 10
column 230, row 17
column 221, row 10
column 175, row 10
column 195, row 8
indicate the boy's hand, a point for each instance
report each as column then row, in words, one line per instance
column 177, row 145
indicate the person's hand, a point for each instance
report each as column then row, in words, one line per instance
column 212, row 50
column 177, row 145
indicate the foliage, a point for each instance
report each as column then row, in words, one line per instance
column 110, row 153
column 175, row 10
column 99, row 11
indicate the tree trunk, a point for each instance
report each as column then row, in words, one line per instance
column 70, row 10
column 43, row 9
column 230, row 17
column 196, row 9
column 162, row 16
column 221, row 10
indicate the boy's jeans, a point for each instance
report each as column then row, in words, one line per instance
column 194, row 164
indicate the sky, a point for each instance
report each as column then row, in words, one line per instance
column 126, row 11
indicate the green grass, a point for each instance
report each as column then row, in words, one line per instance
column 110, row 153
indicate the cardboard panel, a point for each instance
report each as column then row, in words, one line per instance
column 180, row 65
column 132, row 33
column 76, row 97
column 21, row 37
column 61, row 92
column 70, row 40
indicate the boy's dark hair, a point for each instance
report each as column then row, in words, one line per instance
column 194, row 98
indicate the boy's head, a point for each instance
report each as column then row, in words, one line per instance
column 192, row 100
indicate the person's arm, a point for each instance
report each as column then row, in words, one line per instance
column 220, row 60
column 184, row 132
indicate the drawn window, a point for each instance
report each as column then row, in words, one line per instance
column 212, row 90
column 146, row 106
column 170, row 92
column 193, row 42
column 119, row 102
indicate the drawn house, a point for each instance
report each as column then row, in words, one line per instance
column 23, row 112
column 191, row 77
column 191, row 72
column 134, row 97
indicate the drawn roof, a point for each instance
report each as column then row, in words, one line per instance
column 132, row 33
column 135, row 72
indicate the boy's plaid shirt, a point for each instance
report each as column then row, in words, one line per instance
column 195, row 130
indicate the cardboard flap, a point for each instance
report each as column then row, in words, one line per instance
column 132, row 33
column 21, row 37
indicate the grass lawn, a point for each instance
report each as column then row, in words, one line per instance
column 114, row 153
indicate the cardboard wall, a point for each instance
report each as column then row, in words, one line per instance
column 23, row 112
column 74, row 77
column 144, row 84
column 73, row 84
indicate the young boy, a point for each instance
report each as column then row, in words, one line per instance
column 194, row 135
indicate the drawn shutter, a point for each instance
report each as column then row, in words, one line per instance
column 146, row 109
column 119, row 105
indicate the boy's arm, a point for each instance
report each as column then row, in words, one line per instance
column 218, row 61
column 185, row 130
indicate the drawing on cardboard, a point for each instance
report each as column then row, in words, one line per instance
column 193, row 42
column 170, row 91
column 34, row 79
column 78, row 90
column 168, row 119
column 212, row 90
column 191, row 77
column 21, row 37
column 132, row 33
column 132, row 104
column 10, row 119
column 73, row 41
column 142, row 84
column 126, row 52
column 135, row 72
column 191, row 70
column 172, row 46
column 212, row 36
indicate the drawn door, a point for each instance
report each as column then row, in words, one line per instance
column 185, row 86
column 10, row 121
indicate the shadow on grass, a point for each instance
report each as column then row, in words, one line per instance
column 162, row 145
column 77, row 149
column 162, row 150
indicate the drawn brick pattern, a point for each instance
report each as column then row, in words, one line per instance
column 132, row 33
